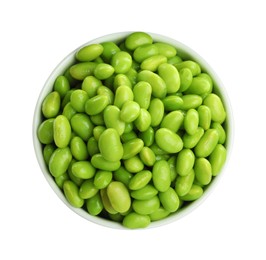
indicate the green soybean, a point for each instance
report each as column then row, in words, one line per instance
column 103, row 71
column 102, row 179
column 191, row 65
column 90, row 84
column 83, row 169
column 61, row 179
column 121, row 62
column 159, row 214
column 96, row 104
column 172, row 164
column 81, row 70
column 191, row 121
column 131, row 148
column 173, row 121
column 185, row 162
column 98, row 161
column 172, row 103
column 51, row 105
column 161, row 175
column 109, row 49
column 61, row 85
column 145, row 207
column 122, row 94
column 92, row 146
column 166, row 49
column 122, row 175
column 130, row 111
column 94, row 205
column 145, row 193
column 47, row 152
column 143, row 121
column 191, row 101
column 45, row 131
column 97, row 131
column 156, row 111
column 186, row 78
column 142, row 94
column 195, row 193
column 152, row 63
column 78, row 148
column 217, row 159
column 89, row 52
column 169, row 200
column 203, row 171
column 72, row 194
column 221, row 132
column 62, row 131
column 145, row 51
column 140, row 180
column 87, row 189
column 147, row 136
column 121, row 80
column 133, row 164
column 184, row 183
column 68, row 111
column 204, row 117
column 190, row 141
column 78, row 99
column 136, row 39
column 147, row 156
column 134, row 220
column 106, row 202
column 199, row 86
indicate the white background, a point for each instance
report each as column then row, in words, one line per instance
column 36, row 35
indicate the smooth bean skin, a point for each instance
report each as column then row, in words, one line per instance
column 59, row 161
column 140, row 180
column 78, row 148
column 207, row 143
column 122, row 175
column 103, row 71
column 45, row 131
column 94, row 205
column 129, row 111
column 51, row 105
column 185, row 162
column 97, row 131
column 125, row 137
column 221, row 132
column 168, row 140
column 169, row 200
column 156, row 111
column 161, row 176
column 121, row 62
column 111, row 116
column 133, row 164
column 195, row 193
column 173, row 121
column 61, row 179
column 166, row 49
column 61, row 85
column 72, row 194
column 159, row 214
column 96, row 104
column 147, row 156
column 121, row 80
column 158, row 86
column 106, row 202
column 199, row 86
column 172, row 164
column 134, row 220
column 89, row 52
column 92, row 146
column 145, row 193
column 217, row 159
column 109, row 49
column 146, row 207
column 110, row 145
column 68, row 111
column 83, row 169
column 145, row 51
column 215, row 104
column 78, row 181
column 123, row 94
column 98, row 119
column 170, row 75
column 190, row 141
column 136, row 39
column 172, row 103
column 62, row 131
column 131, row 148
column 47, row 152
column 152, row 63
column 119, row 196
column 102, row 179
column 81, row 70
column 204, row 117
column 184, row 183
column 147, row 136
column 78, row 99
column 191, row 65
column 87, row 189
column 143, row 121
column 100, row 163
column 186, row 78
column 203, row 171
column 90, row 84
column 191, row 121
column 191, row 101
column 142, row 94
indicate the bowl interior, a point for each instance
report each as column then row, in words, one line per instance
column 186, row 53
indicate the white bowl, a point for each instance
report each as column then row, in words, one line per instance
column 184, row 52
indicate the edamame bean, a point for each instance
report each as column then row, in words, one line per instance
column 89, row 52
column 191, row 65
column 140, row 180
column 97, row 131
column 172, row 164
column 106, row 202
column 61, row 179
column 104, row 91
column 143, row 121
column 221, row 132
column 119, row 196
column 61, row 85
column 51, row 105
column 122, row 94
column 142, row 94
column 81, row 70
column 156, row 111
column 69, row 111
column 121, row 80
column 169, row 200
column 134, row 220
column 203, row 171
column 173, row 121
column 62, row 131
column 94, row 205
column 195, row 193
column 204, row 117
column 207, row 143
column 159, row 214
column 131, row 148
column 122, row 175
column 191, row 121
column 165, row 49
column 102, row 179
column 184, row 183
column 147, row 156
column 145, row 51
column 100, row 163
column 47, row 152
column 199, row 86
column 161, row 175
column 191, row 101
column 90, row 84
column 121, row 62
column 78, row 99
column 78, row 148
column 170, row 75
column 78, row 181
column 111, row 116
column 146, row 207
column 136, row 39
column 110, row 145
column 45, row 131
column 145, row 193
column 125, row 137
column 215, row 104
column 129, row 111
column 217, row 159
column 59, row 161
column 87, row 189
column 83, row 169
column 109, row 49
column 168, row 140
column 98, row 119
column 103, row 71
column 92, row 146
column 158, row 86
column 96, row 104
column 82, row 125
column 190, row 141
column 72, row 194
column 172, row 103
column 152, row 63
column 185, row 162
column 147, row 136
column 133, row 164
column 186, row 78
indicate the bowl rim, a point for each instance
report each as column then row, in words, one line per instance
column 185, row 51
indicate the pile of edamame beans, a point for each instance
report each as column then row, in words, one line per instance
column 131, row 132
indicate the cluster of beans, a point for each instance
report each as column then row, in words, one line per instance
column 131, row 132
